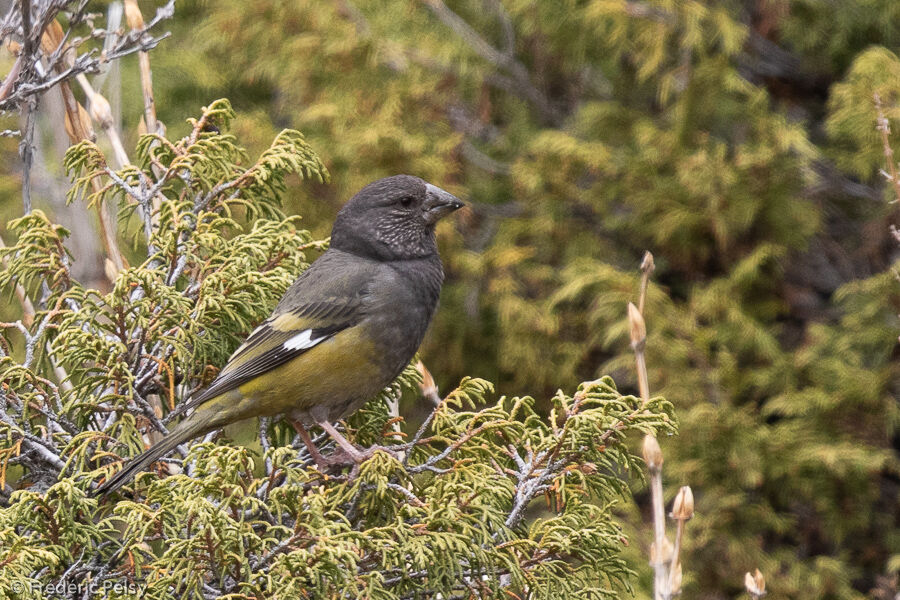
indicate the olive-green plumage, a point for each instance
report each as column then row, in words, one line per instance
column 342, row 332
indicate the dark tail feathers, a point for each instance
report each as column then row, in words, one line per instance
column 185, row 431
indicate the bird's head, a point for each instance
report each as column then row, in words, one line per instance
column 393, row 219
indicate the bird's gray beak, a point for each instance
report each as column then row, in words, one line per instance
column 438, row 204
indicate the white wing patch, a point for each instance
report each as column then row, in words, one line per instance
column 302, row 341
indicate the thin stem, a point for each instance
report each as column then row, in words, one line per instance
column 136, row 22
column 101, row 114
column 78, row 134
column 670, row 583
column 659, row 531
column 638, row 332
column 12, row 77
column 647, row 268
column 28, row 47
column 26, row 151
column 643, row 382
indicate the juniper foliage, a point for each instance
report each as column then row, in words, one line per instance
column 95, row 376
column 735, row 140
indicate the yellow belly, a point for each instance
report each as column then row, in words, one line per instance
column 339, row 372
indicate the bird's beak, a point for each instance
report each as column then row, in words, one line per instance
column 438, row 204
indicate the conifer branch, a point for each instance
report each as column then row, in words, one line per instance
column 30, row 80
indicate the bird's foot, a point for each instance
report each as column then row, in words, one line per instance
column 360, row 456
column 370, row 452
column 343, row 457
column 340, row 458
column 348, row 451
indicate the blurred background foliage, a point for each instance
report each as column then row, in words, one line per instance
column 735, row 139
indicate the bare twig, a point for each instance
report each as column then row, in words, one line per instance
column 647, row 268
column 26, row 151
column 682, row 512
column 26, row 146
column 11, row 77
column 101, row 113
column 79, row 129
column 27, row 35
column 638, row 342
column 136, row 21
column 519, row 79
column 664, row 559
column 506, row 24
column 39, row 446
column 107, row 227
column 30, row 81
column 482, row 160
column 659, row 551
column 532, row 480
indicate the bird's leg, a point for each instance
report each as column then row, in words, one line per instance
column 351, row 450
column 321, row 461
column 356, row 455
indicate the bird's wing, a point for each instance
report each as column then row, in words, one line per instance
column 326, row 299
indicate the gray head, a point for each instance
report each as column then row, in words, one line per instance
column 392, row 219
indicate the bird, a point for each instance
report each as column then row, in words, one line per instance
column 342, row 332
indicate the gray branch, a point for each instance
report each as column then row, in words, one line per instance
column 518, row 77
column 25, row 81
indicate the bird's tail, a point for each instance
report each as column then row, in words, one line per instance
column 186, row 430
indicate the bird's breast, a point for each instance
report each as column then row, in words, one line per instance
column 402, row 305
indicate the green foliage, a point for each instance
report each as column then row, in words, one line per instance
column 734, row 140
column 104, row 373
column 852, row 109
column 831, row 36
column 41, row 256
column 442, row 522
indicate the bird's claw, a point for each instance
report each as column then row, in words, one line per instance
column 370, row 452
column 342, row 458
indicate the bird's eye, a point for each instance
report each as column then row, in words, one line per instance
column 406, row 201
